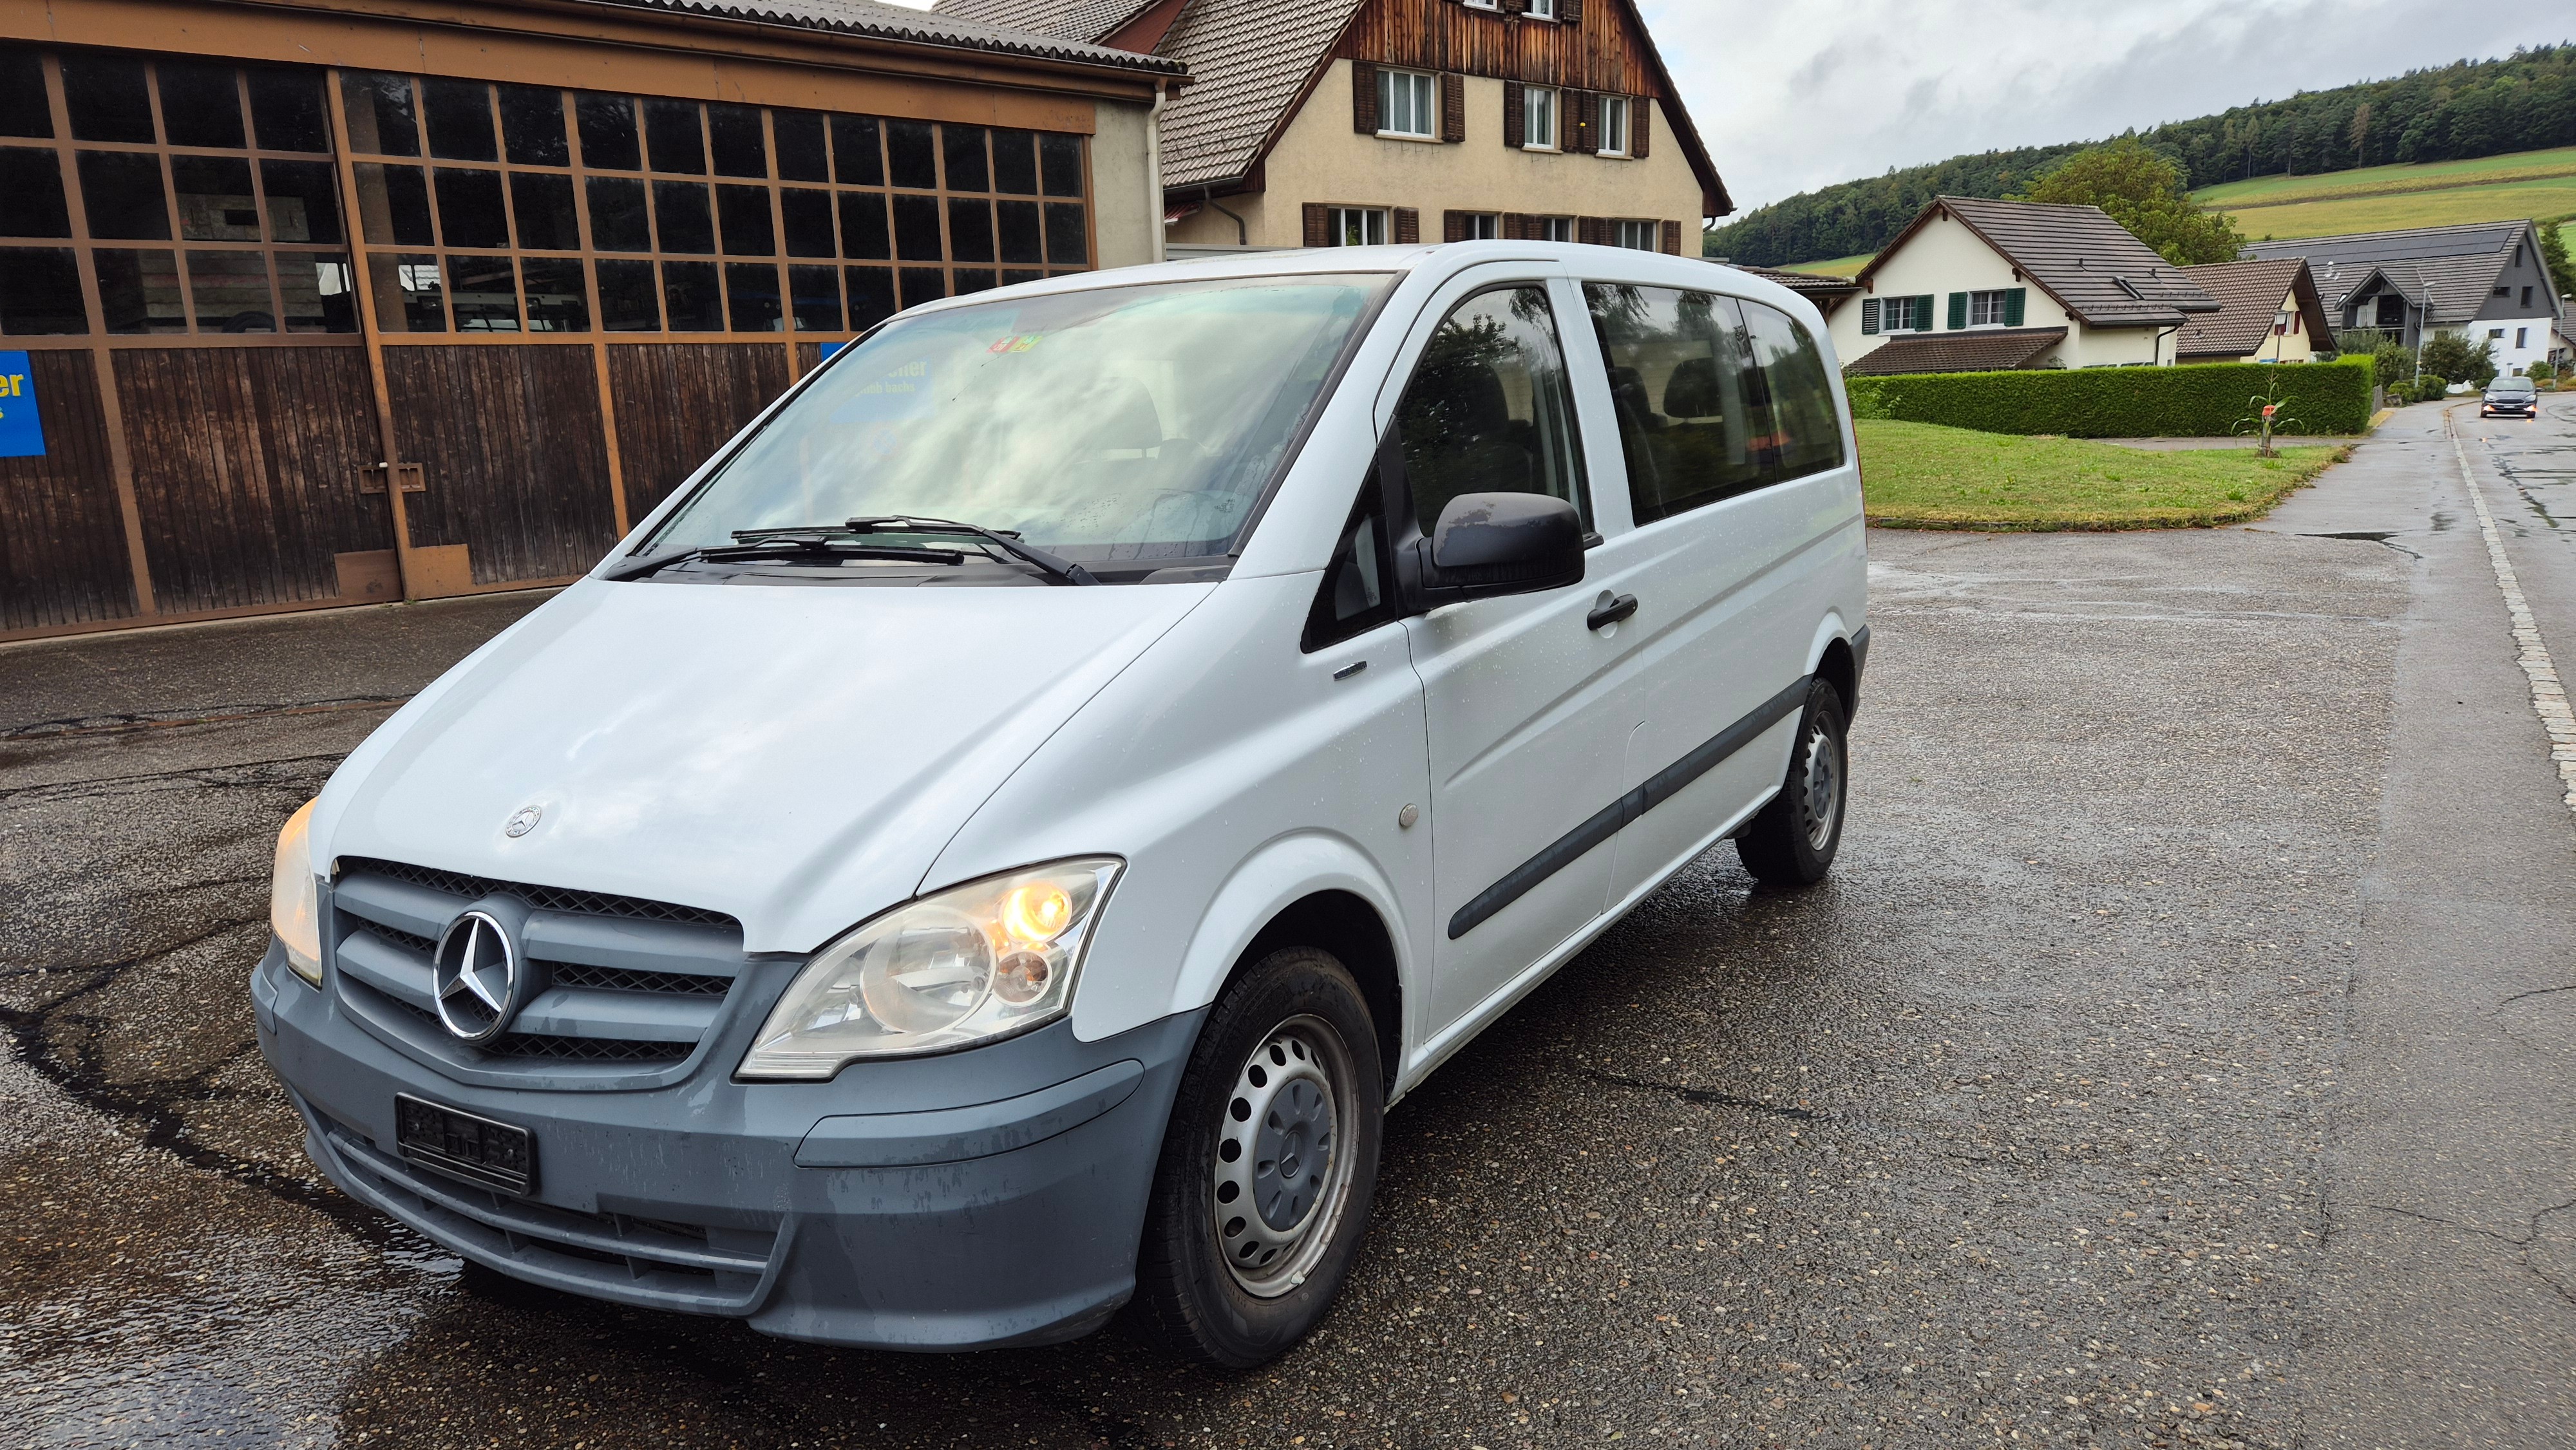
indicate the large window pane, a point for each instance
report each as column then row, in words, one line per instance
column 317, row 292
column 617, row 222
column 963, row 149
column 680, row 209
column 139, row 291
column 607, row 125
column 802, row 155
column 856, row 161
column 916, row 228
column 32, row 180
column 201, row 105
column 816, row 296
column 1020, row 239
column 557, row 301
column 1678, row 387
column 1068, row 245
column 379, row 108
column 23, row 108
column 1488, row 409
column 689, row 297
column 807, row 219
column 1801, row 434
column 628, row 299
column 410, row 295
column 1014, row 276
column 733, row 136
column 748, row 231
column 973, row 279
column 1015, row 162
column 215, row 201
column 303, row 201
column 121, row 191
column 230, row 290
column 751, row 288
column 923, row 284
column 863, row 225
column 910, row 155
column 470, row 215
column 393, row 203
column 871, row 295
column 1060, row 158
column 543, row 205
column 286, row 110
column 970, row 229
column 483, row 294
column 108, row 99
column 532, row 126
column 460, row 120
column 672, row 137
column 40, row 292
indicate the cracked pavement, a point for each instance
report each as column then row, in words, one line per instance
column 2177, row 1057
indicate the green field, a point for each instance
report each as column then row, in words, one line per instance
column 1833, row 266
column 1922, row 476
column 2534, row 184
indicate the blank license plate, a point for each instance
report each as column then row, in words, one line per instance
column 478, row 1150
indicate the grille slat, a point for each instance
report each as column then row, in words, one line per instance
column 623, row 979
column 544, row 898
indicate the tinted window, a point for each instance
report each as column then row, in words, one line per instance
column 1357, row 593
column 1678, row 386
column 1800, row 434
column 1488, row 410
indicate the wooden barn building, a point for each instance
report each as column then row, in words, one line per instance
column 318, row 302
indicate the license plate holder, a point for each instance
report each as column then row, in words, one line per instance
column 465, row 1145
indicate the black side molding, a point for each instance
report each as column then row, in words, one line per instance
column 1660, row 787
column 1860, row 667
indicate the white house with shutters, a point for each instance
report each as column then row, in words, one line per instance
column 1974, row 285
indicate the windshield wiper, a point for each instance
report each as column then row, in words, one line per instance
column 786, row 544
column 1063, row 571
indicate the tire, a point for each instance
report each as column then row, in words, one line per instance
column 1237, row 1265
column 1791, row 842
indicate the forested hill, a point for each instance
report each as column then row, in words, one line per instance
column 2469, row 108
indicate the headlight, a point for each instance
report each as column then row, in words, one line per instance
column 984, row 960
column 294, row 901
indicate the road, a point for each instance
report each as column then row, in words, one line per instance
column 2177, row 1057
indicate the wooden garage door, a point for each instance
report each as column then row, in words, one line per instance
column 63, row 561
column 678, row 402
column 515, row 484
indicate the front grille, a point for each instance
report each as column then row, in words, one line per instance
column 547, row 1047
column 544, row 898
column 623, row 979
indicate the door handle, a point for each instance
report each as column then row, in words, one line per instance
column 1612, row 609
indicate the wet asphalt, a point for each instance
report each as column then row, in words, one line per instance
column 2178, row 1056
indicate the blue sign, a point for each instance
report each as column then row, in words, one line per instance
column 830, row 348
column 22, row 432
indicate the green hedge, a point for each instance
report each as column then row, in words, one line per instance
column 2199, row 400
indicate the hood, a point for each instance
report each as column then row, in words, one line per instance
column 793, row 756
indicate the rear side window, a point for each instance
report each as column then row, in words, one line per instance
column 1713, row 397
column 1489, row 409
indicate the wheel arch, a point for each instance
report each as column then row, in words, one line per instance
column 1837, row 664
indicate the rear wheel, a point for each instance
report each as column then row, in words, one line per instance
column 1791, row 842
column 1269, row 1165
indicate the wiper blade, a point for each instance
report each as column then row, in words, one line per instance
column 1063, row 571
column 786, row 544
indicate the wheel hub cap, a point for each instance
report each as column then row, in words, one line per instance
column 1280, row 1176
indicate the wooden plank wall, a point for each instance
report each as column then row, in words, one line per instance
column 1601, row 52
column 247, row 471
column 678, row 402
column 62, row 538
column 515, row 455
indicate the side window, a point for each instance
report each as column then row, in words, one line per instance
column 1799, row 432
column 1357, row 593
column 1489, row 409
column 1690, row 406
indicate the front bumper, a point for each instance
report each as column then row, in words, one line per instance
column 973, row 1200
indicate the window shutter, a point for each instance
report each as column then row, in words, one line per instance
column 1641, row 109
column 1318, row 225
column 1515, row 119
column 1570, row 11
column 1589, row 229
column 1408, row 225
column 1363, row 98
column 1583, row 117
column 1515, row 226
column 1869, row 317
column 1515, row 7
column 1453, row 226
column 1958, row 310
column 1923, row 314
column 2013, row 304
column 1453, row 108
column 1673, row 238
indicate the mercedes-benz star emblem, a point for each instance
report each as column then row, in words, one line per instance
column 476, row 977
column 522, row 821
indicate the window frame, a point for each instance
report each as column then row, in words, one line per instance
column 1623, row 228
column 1337, row 216
column 1616, row 150
column 1540, row 9
column 1424, row 89
column 1988, row 307
column 1537, row 100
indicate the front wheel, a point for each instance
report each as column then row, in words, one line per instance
column 1791, row 841
column 1263, row 1189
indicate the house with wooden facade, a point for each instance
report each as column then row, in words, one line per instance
column 1313, row 123
column 315, row 302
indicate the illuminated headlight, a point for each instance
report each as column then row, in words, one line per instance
column 981, row 961
column 294, row 898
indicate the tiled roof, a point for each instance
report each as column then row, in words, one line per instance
column 2447, row 270
column 918, row 27
column 2249, row 301
column 1959, row 352
column 1815, row 286
column 1250, row 61
column 1085, row 20
column 2091, row 264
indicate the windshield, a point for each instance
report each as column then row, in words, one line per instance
column 1120, row 423
column 2512, row 385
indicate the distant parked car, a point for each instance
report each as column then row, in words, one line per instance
column 2513, row 397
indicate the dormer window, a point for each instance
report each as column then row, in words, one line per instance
column 2129, row 287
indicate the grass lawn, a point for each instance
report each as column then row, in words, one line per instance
column 2481, row 171
column 2537, row 184
column 1833, row 266
column 1923, row 476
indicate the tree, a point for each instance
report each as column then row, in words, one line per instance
column 2450, row 357
column 2143, row 192
column 2553, row 255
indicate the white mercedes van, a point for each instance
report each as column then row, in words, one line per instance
column 993, row 843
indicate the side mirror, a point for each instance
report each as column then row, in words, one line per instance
column 1488, row 544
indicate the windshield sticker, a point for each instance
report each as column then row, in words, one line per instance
column 1017, row 342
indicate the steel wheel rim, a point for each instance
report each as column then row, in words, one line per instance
column 1278, row 1198
column 1820, row 782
